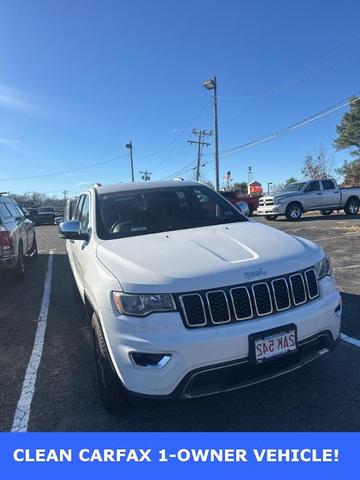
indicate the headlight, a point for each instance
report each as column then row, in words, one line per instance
column 323, row 267
column 141, row 305
column 279, row 201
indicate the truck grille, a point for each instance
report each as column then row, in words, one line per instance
column 248, row 301
column 266, row 201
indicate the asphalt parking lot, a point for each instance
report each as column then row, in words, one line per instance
column 322, row 396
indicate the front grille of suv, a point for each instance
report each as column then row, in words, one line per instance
column 248, row 301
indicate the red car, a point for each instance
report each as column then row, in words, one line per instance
column 236, row 197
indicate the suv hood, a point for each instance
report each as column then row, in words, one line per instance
column 204, row 258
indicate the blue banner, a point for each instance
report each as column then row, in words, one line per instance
column 151, row 455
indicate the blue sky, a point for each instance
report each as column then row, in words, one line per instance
column 80, row 78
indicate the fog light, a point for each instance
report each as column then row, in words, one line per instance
column 157, row 360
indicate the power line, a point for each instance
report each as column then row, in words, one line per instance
column 63, row 171
column 293, row 83
column 279, row 133
column 180, row 134
column 290, row 128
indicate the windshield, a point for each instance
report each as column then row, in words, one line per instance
column 140, row 212
column 46, row 210
column 294, row 187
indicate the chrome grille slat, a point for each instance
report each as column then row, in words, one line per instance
column 312, row 284
column 237, row 303
column 249, row 301
column 277, row 294
column 262, row 298
column 296, row 293
column 216, row 311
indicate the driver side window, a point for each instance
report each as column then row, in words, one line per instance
column 84, row 216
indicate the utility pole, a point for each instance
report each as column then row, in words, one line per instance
column 130, row 147
column 200, row 134
column 145, row 175
column 212, row 85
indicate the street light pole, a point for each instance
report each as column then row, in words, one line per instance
column 130, row 147
column 212, row 85
column 268, row 189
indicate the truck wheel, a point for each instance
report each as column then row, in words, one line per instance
column 326, row 212
column 111, row 391
column 20, row 265
column 271, row 217
column 352, row 206
column 293, row 212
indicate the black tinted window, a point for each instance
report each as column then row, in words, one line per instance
column 4, row 212
column 12, row 209
column 328, row 185
column 313, row 186
column 140, row 212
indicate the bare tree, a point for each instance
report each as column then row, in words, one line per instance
column 318, row 165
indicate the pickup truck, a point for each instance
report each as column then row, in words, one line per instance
column 323, row 195
column 46, row 216
column 187, row 297
column 236, row 197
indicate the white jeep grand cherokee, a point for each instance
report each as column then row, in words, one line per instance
column 188, row 297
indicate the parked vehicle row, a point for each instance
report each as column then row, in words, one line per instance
column 187, row 297
column 17, row 237
column 323, row 195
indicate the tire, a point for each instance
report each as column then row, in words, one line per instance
column 352, row 206
column 33, row 250
column 293, row 212
column 271, row 217
column 326, row 212
column 19, row 269
column 112, row 393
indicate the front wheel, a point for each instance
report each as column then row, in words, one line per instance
column 111, row 391
column 33, row 250
column 20, row 264
column 352, row 206
column 271, row 217
column 293, row 212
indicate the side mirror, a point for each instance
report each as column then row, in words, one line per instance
column 71, row 231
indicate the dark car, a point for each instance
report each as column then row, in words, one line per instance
column 33, row 214
column 46, row 216
column 17, row 237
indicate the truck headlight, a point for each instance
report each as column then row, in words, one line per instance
column 323, row 267
column 279, row 201
column 141, row 305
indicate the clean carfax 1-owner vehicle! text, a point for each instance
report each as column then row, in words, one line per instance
column 188, row 297
column 299, row 197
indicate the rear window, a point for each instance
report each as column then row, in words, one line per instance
column 328, row 185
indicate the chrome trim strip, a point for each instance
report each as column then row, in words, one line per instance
column 233, row 303
column 184, row 309
column 288, row 293
column 292, row 289
column 227, row 304
column 307, row 284
column 255, row 301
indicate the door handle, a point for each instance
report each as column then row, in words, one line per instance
column 336, row 192
column 319, row 193
column 71, row 241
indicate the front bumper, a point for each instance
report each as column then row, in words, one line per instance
column 199, row 353
column 271, row 210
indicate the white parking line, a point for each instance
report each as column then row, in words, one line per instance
column 22, row 413
column 351, row 340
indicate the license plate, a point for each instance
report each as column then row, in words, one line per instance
column 274, row 345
